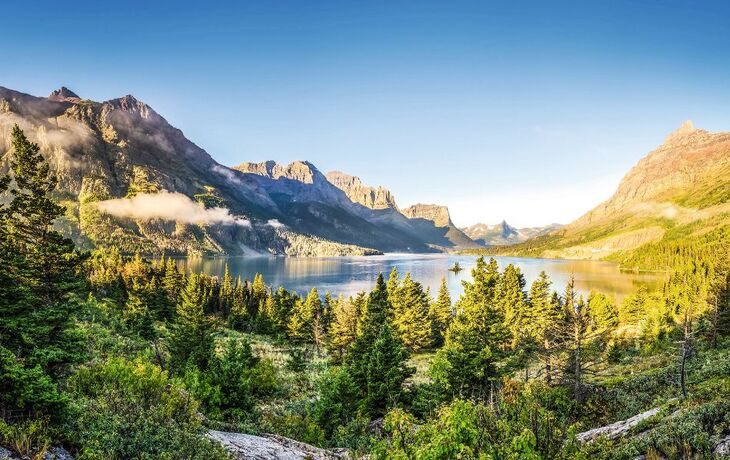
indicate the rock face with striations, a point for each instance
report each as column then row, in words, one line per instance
column 437, row 214
column 371, row 197
column 249, row 447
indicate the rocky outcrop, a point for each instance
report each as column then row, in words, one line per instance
column 53, row 453
column 371, row 197
column 435, row 213
column 722, row 448
column 616, row 430
column 300, row 171
column 63, row 94
column 270, row 447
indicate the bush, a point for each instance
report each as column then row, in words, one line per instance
column 132, row 410
column 235, row 379
column 26, row 391
column 338, row 400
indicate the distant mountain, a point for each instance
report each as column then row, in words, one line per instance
column 302, row 190
column 678, row 193
column 504, row 234
column 434, row 222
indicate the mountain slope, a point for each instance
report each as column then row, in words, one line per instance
column 676, row 197
column 128, row 177
column 311, row 203
column 430, row 224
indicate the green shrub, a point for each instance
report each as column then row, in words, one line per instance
column 132, row 410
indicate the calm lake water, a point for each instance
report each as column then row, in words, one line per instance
column 349, row 275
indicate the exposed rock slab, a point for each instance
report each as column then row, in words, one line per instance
column 722, row 448
column 249, row 447
column 53, row 453
column 616, row 430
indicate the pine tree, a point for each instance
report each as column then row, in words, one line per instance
column 470, row 364
column 328, row 311
column 37, row 277
column 411, row 322
column 225, row 296
column 393, row 285
column 375, row 317
column 258, row 296
column 343, row 331
column 191, row 340
column 238, row 317
column 441, row 313
column 306, row 320
column 546, row 316
column 511, row 299
column 38, row 265
column 378, row 309
column 172, row 282
column 580, row 333
column 386, row 372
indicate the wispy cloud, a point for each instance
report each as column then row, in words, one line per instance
column 168, row 206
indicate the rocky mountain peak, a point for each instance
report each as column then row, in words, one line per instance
column 132, row 105
column 437, row 214
column 372, row 197
column 62, row 94
column 301, row 171
column 686, row 129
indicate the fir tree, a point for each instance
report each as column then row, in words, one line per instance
column 191, row 340
column 470, row 364
column 225, row 296
column 37, row 279
column 375, row 317
column 343, row 330
column 411, row 322
column 386, row 372
column 305, row 323
column 546, row 316
column 38, row 265
column 441, row 313
column 172, row 283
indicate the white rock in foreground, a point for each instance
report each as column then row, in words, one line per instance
column 250, row 447
column 722, row 448
column 616, row 430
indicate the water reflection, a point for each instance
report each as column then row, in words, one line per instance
column 349, row 275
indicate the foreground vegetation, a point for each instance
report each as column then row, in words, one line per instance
column 117, row 357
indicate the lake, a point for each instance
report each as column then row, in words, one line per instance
column 349, row 275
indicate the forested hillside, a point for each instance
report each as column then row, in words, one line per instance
column 113, row 356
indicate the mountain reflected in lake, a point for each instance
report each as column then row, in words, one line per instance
column 349, row 275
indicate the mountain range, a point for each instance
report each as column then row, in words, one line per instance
column 503, row 234
column 129, row 178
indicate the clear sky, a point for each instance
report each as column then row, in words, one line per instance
column 525, row 111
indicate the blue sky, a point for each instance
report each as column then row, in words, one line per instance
column 525, row 111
